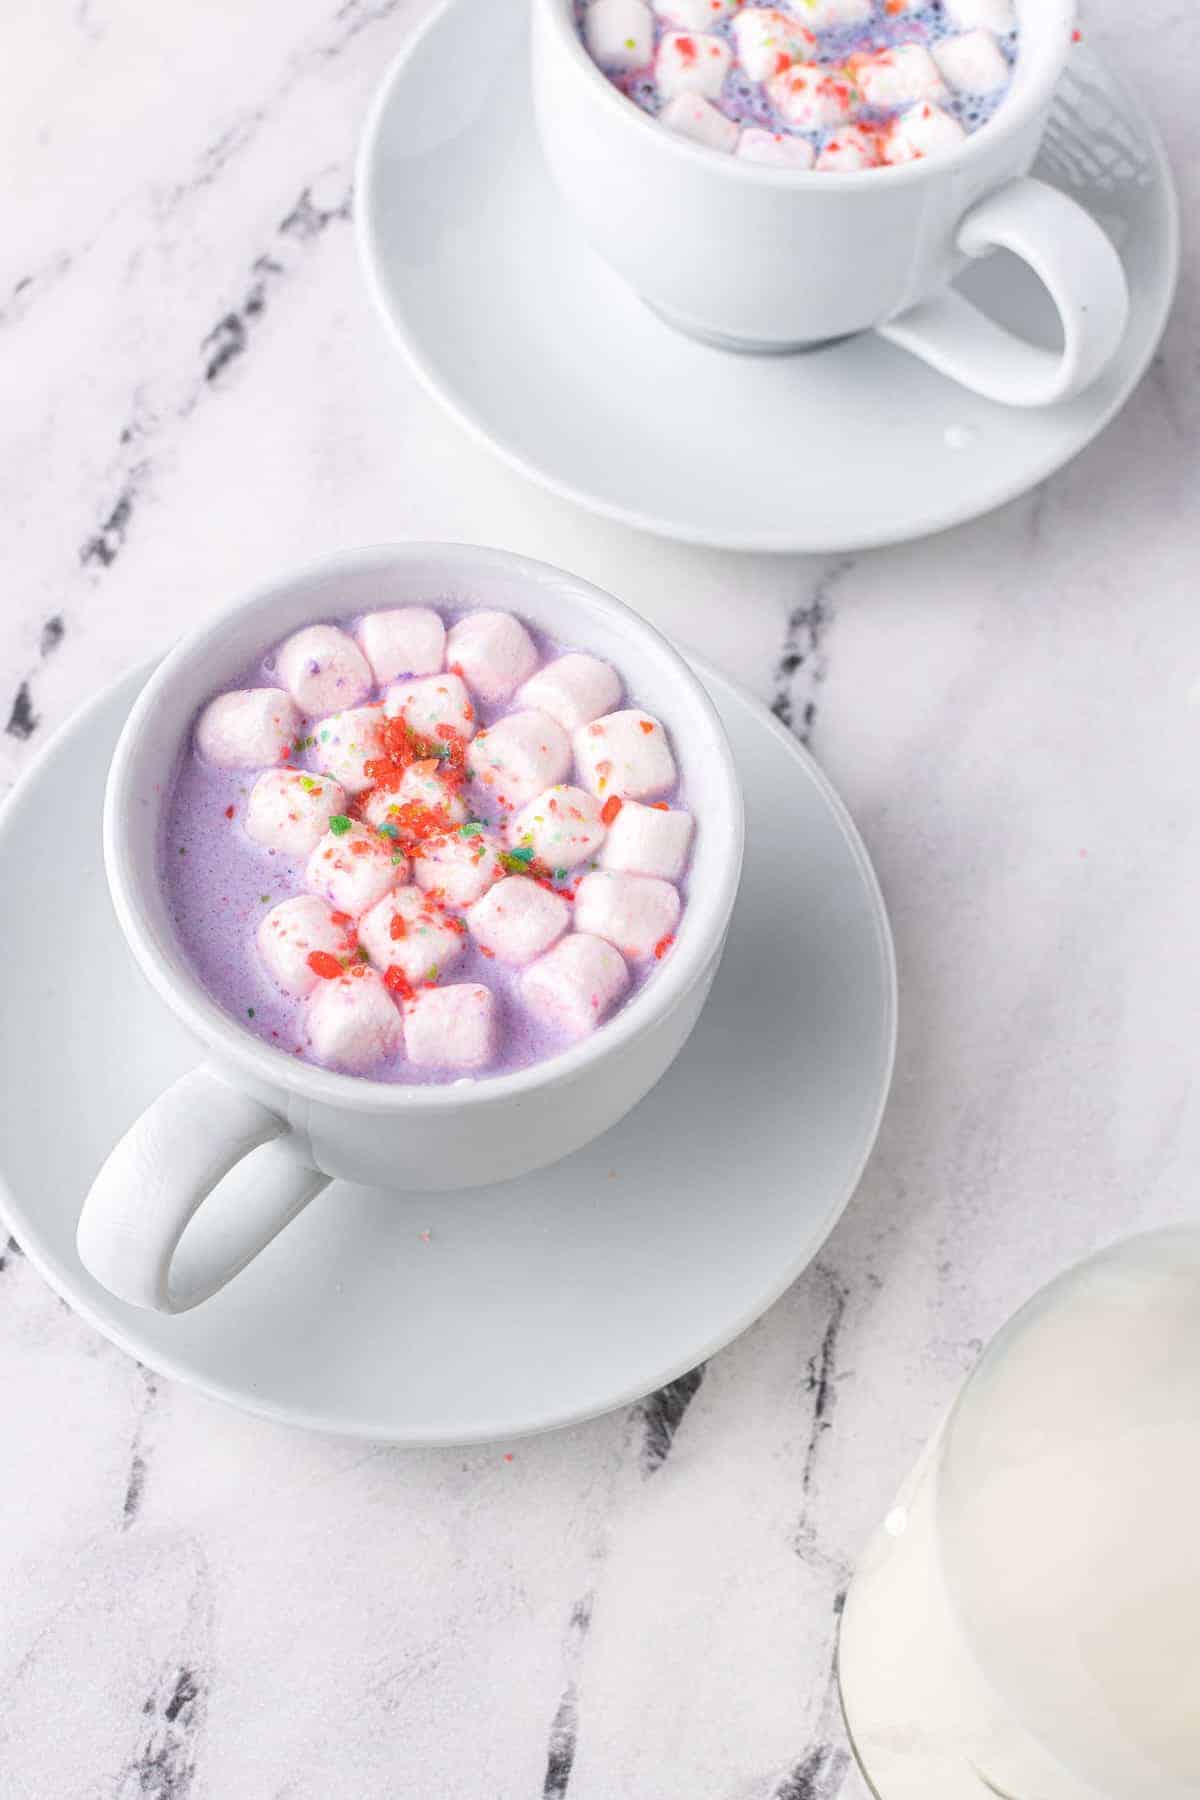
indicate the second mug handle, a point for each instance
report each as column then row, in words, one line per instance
column 202, row 1140
column 1077, row 263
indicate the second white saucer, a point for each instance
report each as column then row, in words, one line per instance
column 538, row 348
column 452, row 1318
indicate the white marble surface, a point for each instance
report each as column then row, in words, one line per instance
column 201, row 1606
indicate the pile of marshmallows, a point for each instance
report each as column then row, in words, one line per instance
column 777, row 48
column 367, row 944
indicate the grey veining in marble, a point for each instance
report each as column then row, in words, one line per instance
column 201, row 1606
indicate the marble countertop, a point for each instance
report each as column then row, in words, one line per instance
column 202, row 1606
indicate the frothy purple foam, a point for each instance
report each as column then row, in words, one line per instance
column 219, row 884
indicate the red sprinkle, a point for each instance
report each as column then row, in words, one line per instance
column 610, row 809
column 229, row 812
column 397, row 929
column 662, row 946
column 326, row 966
column 397, row 982
column 646, row 726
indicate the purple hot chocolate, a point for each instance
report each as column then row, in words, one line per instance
column 830, row 85
column 425, row 846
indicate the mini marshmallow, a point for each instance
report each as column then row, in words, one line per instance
column 420, row 785
column 643, row 840
column 972, row 63
column 574, row 689
column 812, row 97
column 432, row 705
column 691, row 116
column 694, row 15
column 494, row 653
column 324, row 670
column 353, row 1023
column 850, row 150
column 348, row 740
column 409, row 931
column 562, row 827
column 691, row 63
column 292, row 932
column 627, row 754
column 452, row 1027
column 921, row 131
column 775, row 149
column 823, row 14
column 518, row 919
column 354, row 869
column 637, row 913
column 290, row 811
column 619, row 34
column 409, row 640
column 768, row 42
column 250, row 728
column 994, row 15
column 576, row 985
column 458, row 869
column 520, row 757
column 901, row 76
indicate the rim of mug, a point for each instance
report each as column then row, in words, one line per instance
column 182, row 990
column 1014, row 112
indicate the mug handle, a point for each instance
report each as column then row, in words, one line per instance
column 1074, row 258
column 199, row 1139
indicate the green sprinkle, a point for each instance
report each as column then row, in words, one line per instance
column 398, row 858
column 524, row 854
column 433, row 972
column 265, row 898
column 339, row 824
column 560, row 874
column 249, row 1012
column 182, row 851
column 308, row 784
column 472, row 829
column 389, row 831
column 361, row 954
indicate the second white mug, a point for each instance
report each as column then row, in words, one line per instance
column 759, row 258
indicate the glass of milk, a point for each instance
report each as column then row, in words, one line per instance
column 1027, row 1622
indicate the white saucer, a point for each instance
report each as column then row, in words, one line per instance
column 539, row 349
column 424, row 1319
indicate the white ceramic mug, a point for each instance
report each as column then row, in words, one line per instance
column 759, row 258
column 242, row 1143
